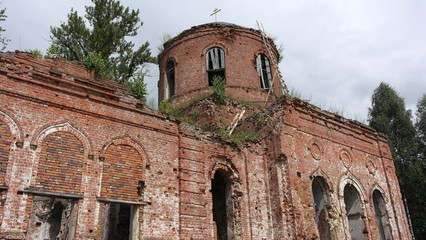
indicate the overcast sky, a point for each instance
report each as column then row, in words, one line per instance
column 336, row 52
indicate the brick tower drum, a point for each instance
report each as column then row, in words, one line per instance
column 240, row 55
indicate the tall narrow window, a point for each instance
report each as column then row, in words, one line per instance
column 170, row 75
column 381, row 215
column 264, row 71
column 354, row 212
column 321, row 199
column 222, row 206
column 215, row 63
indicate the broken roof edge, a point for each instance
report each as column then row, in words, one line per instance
column 68, row 74
column 71, row 71
column 309, row 108
column 195, row 28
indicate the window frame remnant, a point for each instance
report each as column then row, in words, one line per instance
column 321, row 196
column 170, row 82
column 215, row 63
column 44, row 222
column 381, row 214
column 354, row 212
column 264, row 71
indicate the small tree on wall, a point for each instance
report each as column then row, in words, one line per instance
column 219, row 90
column 100, row 40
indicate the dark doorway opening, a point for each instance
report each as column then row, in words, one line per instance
column 118, row 221
column 222, row 206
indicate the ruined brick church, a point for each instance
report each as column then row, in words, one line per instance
column 80, row 158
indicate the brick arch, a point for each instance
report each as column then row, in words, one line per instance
column 235, row 194
column 377, row 187
column 14, row 128
column 212, row 45
column 58, row 148
column 125, row 141
column 227, row 166
column 41, row 133
column 10, row 134
column 173, row 59
column 349, row 179
column 320, row 173
column 123, row 170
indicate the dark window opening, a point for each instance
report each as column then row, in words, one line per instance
column 222, row 206
column 215, row 63
column 170, row 75
column 52, row 218
column 321, row 199
column 381, row 215
column 264, row 71
column 353, row 207
column 118, row 220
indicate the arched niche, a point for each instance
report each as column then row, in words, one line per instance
column 10, row 138
column 352, row 200
column 381, row 214
column 226, row 197
column 170, row 77
column 354, row 212
column 322, row 200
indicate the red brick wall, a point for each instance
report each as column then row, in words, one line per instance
column 60, row 124
column 5, row 141
column 61, row 164
column 122, row 170
column 241, row 46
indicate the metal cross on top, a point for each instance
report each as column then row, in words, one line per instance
column 215, row 11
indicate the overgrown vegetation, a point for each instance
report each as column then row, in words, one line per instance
column 101, row 41
column 167, row 108
column 219, row 90
column 240, row 138
column 192, row 114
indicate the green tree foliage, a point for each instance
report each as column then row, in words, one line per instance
column 421, row 123
column 3, row 40
column 389, row 115
column 35, row 52
column 100, row 40
column 138, row 86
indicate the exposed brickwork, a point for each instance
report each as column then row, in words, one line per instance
column 241, row 46
column 61, row 164
column 70, row 133
column 5, row 141
column 123, row 170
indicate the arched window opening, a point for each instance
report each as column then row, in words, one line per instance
column 222, row 206
column 321, row 199
column 170, row 76
column 381, row 215
column 215, row 63
column 264, row 71
column 353, row 207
